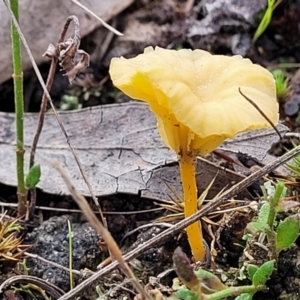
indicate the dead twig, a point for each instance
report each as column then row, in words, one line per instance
column 91, row 217
column 52, row 263
column 163, row 224
column 70, row 210
column 110, row 28
column 55, row 56
column 184, row 223
column 58, row 118
column 261, row 112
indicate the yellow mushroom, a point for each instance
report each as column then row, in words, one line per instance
column 195, row 97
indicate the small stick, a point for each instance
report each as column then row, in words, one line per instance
column 49, row 83
column 50, row 79
column 39, row 76
column 70, row 210
column 115, row 31
column 261, row 112
column 35, row 256
column 185, row 222
column 91, row 217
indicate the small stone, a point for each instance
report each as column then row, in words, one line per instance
column 50, row 241
column 291, row 106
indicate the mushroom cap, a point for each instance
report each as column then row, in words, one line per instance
column 195, row 95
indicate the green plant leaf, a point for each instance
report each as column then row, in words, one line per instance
column 246, row 236
column 269, row 190
column 265, row 21
column 69, row 102
column 281, row 83
column 251, row 269
column 280, row 192
column 100, row 293
column 254, row 227
column 33, row 177
column 295, row 166
column 263, row 213
column 263, row 273
column 287, row 232
column 210, row 283
column 242, row 275
column 244, row 296
column 186, row 294
column 260, row 224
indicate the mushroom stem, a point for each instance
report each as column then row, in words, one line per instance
column 187, row 163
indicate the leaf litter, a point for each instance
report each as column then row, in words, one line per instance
column 119, row 148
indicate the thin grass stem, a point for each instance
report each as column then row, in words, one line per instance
column 19, row 109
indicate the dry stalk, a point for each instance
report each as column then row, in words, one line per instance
column 261, row 112
column 69, row 210
column 96, row 224
column 58, row 118
column 110, row 28
column 55, row 57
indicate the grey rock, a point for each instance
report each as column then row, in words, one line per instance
column 50, row 241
